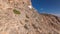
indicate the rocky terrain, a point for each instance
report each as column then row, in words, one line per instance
column 19, row 17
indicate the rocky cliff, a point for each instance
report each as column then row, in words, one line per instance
column 19, row 17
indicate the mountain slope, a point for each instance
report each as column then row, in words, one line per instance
column 19, row 17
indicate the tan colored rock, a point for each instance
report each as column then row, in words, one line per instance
column 17, row 17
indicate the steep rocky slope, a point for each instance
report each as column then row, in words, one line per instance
column 19, row 17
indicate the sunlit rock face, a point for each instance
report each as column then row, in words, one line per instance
column 19, row 17
column 30, row 6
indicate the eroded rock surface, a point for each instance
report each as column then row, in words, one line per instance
column 19, row 17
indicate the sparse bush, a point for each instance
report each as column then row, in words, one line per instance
column 16, row 11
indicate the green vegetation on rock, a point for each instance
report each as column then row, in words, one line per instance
column 16, row 11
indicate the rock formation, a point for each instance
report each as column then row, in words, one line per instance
column 19, row 17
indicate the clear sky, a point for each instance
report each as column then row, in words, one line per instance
column 47, row 6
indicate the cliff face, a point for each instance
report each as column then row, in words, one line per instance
column 19, row 17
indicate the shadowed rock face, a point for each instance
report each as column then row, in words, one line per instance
column 17, row 17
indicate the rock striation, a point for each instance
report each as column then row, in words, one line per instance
column 19, row 17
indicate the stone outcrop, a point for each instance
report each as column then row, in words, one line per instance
column 19, row 17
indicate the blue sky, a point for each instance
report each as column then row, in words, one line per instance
column 47, row 6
